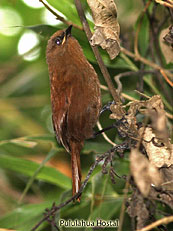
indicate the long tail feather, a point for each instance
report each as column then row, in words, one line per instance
column 76, row 168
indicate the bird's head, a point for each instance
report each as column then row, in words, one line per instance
column 57, row 44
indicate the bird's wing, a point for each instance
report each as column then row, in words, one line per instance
column 60, row 105
column 74, row 107
column 83, row 109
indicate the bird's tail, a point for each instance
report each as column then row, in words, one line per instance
column 76, row 168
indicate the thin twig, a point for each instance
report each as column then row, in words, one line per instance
column 166, row 4
column 154, row 43
column 128, row 97
column 60, row 18
column 129, row 73
column 103, row 87
column 96, row 53
column 149, row 63
column 56, row 208
column 142, row 94
column 166, row 77
column 121, row 217
column 164, row 220
column 104, row 135
column 139, row 27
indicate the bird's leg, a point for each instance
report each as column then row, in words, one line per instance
column 103, row 130
column 106, row 107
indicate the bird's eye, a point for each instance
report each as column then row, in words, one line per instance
column 58, row 41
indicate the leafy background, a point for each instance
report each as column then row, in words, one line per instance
column 35, row 170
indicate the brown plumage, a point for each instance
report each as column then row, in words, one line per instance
column 75, row 96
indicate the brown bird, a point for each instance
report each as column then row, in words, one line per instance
column 75, row 96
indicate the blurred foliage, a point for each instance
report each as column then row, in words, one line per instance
column 35, row 170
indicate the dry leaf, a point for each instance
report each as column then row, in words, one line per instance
column 128, row 121
column 117, row 112
column 155, row 109
column 169, row 37
column 156, row 139
column 167, row 176
column 107, row 29
column 144, row 172
column 158, row 153
column 137, row 209
column 167, row 50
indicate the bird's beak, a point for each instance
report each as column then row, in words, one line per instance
column 67, row 33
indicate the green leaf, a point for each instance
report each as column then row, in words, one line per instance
column 128, row 62
column 28, row 185
column 143, row 35
column 44, row 30
column 20, row 142
column 46, row 137
column 96, row 147
column 28, row 168
column 49, row 138
column 67, row 8
column 24, row 217
column 148, row 79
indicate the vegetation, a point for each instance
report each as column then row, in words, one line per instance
column 35, row 169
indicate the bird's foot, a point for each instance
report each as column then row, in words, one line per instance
column 106, row 107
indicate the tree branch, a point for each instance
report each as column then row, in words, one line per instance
column 164, row 220
column 151, row 64
column 96, row 53
column 60, row 18
column 56, row 208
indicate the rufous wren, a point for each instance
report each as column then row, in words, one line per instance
column 75, row 96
